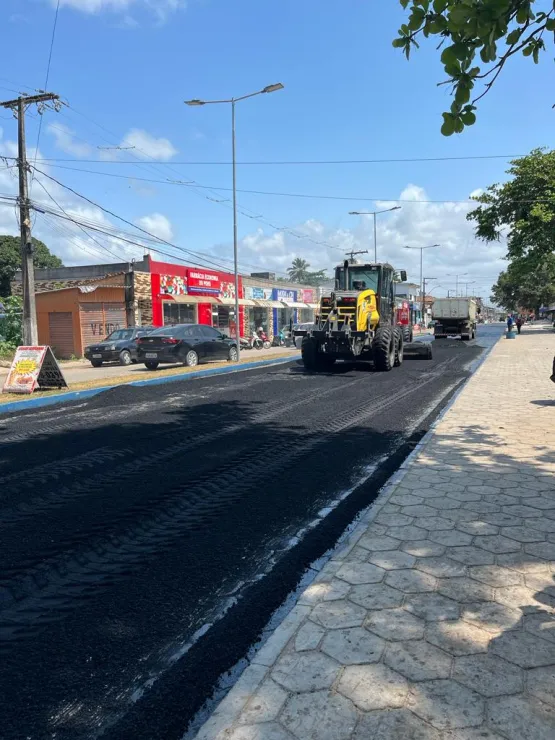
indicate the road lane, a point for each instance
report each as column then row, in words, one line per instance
column 129, row 522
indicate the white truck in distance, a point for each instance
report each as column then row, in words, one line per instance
column 455, row 316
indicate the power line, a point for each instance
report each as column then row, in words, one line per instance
column 47, row 76
column 113, row 254
column 300, row 162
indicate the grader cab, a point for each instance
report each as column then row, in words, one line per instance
column 357, row 322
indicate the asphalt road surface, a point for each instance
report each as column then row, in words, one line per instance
column 148, row 535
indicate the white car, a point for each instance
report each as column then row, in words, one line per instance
column 300, row 327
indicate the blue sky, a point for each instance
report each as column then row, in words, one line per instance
column 125, row 67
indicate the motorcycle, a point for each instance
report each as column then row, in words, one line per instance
column 283, row 339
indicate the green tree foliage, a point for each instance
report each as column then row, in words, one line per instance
column 10, row 322
column 10, row 259
column 477, row 38
column 525, row 206
column 526, row 284
column 299, row 273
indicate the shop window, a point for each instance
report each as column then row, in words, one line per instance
column 258, row 317
column 179, row 313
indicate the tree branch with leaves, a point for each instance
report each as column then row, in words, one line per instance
column 477, row 39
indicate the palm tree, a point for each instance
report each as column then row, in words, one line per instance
column 298, row 270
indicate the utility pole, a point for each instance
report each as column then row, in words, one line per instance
column 19, row 106
column 424, row 296
column 352, row 257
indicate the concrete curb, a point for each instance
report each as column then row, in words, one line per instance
column 229, row 709
column 34, row 403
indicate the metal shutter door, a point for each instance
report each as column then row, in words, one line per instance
column 61, row 334
column 114, row 316
column 92, row 323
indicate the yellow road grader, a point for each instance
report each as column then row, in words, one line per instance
column 358, row 322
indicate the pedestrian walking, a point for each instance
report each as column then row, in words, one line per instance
column 518, row 324
column 510, row 323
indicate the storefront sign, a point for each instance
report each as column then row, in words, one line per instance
column 205, row 283
column 261, row 294
column 307, row 295
column 32, row 368
column 227, row 290
column 173, row 285
column 284, row 295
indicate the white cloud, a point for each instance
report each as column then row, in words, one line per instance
column 141, row 144
column 157, row 224
column 417, row 224
column 66, row 141
column 161, row 9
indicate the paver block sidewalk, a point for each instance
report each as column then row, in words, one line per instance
column 436, row 619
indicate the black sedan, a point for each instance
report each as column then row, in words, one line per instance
column 187, row 344
column 120, row 346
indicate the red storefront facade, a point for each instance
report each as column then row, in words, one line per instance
column 178, row 292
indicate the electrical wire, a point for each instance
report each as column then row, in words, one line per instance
column 305, row 162
column 113, row 254
column 53, row 38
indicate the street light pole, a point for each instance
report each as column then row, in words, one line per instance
column 232, row 102
column 374, row 214
column 430, row 246
column 424, row 292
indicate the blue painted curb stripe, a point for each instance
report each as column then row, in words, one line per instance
column 34, row 403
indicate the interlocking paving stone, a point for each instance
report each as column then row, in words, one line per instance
column 477, row 527
column 470, row 555
column 495, row 575
column 409, row 532
column 406, row 499
column 411, row 581
column 517, row 596
column 423, row 548
column 491, row 616
column 541, row 683
column 488, row 674
column 432, row 607
column 357, row 573
column 378, row 542
column 309, row 636
column 524, row 649
column 497, row 543
column 266, row 731
column 458, row 637
column 521, row 718
column 441, row 567
column 395, row 520
column 337, row 614
column 265, row 705
column 418, row 660
column 545, row 550
column 373, row 686
column 319, row 716
column 523, row 562
column 395, row 624
column 394, row 724
column 541, row 624
column 375, row 596
column 419, row 510
column 465, row 590
column 452, row 538
column 446, row 704
column 353, row 645
column 308, row 671
column 523, row 534
column 434, row 523
column 392, row 559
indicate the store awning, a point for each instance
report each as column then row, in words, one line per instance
column 246, row 302
column 269, row 304
column 312, row 305
column 227, row 301
column 194, row 299
column 295, row 304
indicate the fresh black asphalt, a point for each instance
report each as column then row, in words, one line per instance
column 131, row 522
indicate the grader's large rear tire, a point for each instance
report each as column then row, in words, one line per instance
column 383, row 349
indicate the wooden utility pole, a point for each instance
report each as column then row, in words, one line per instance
column 19, row 106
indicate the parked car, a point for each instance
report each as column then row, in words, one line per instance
column 300, row 327
column 188, row 344
column 120, row 346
